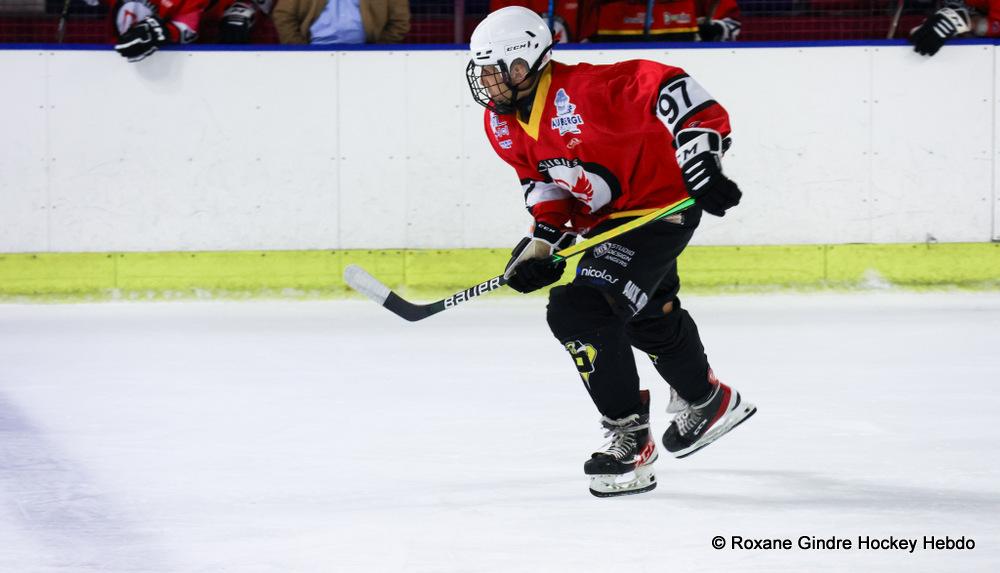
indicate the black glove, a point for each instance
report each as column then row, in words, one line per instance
column 534, row 274
column 699, row 155
column 725, row 30
column 530, row 267
column 946, row 23
column 237, row 20
column 142, row 39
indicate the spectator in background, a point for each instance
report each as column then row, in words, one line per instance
column 956, row 18
column 672, row 20
column 342, row 21
column 564, row 24
column 143, row 26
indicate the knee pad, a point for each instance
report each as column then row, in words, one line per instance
column 584, row 322
column 575, row 309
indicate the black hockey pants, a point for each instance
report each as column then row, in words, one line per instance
column 618, row 300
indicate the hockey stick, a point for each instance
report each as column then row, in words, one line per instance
column 895, row 20
column 63, row 17
column 361, row 281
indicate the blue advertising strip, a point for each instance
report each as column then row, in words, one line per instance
column 464, row 47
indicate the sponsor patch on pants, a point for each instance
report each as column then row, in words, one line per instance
column 614, row 253
column 584, row 355
column 637, row 298
column 597, row 274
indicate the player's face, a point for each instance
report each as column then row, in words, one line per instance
column 492, row 79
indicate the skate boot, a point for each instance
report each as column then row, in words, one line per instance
column 625, row 465
column 703, row 423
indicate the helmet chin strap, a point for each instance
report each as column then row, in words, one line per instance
column 523, row 104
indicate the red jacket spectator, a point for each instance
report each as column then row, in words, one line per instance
column 566, row 18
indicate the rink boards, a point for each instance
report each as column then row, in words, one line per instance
column 312, row 274
column 257, row 170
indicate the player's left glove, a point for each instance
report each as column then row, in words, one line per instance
column 699, row 154
column 236, row 23
column 142, row 39
column 724, row 30
column 945, row 24
column 529, row 267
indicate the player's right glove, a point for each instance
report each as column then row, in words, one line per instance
column 945, row 24
column 699, row 153
column 142, row 39
column 529, row 267
column 236, row 23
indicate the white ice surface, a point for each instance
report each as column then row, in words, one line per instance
column 335, row 437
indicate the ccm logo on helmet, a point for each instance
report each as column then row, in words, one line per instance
column 520, row 46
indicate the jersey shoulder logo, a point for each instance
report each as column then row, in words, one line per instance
column 565, row 120
column 501, row 131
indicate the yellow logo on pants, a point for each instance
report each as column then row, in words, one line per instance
column 585, row 355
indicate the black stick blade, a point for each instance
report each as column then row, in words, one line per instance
column 360, row 280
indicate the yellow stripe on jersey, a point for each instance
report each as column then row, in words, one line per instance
column 538, row 105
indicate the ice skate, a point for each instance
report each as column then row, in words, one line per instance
column 625, row 465
column 701, row 424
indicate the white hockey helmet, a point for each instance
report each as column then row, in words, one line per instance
column 504, row 37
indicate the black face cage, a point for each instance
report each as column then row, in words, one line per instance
column 482, row 96
column 473, row 74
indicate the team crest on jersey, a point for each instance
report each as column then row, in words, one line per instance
column 565, row 120
column 590, row 183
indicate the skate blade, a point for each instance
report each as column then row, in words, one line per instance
column 641, row 480
column 741, row 414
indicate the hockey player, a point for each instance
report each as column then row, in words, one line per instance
column 563, row 23
column 595, row 146
column 670, row 20
column 142, row 26
column 956, row 18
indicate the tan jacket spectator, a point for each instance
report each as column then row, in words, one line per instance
column 385, row 21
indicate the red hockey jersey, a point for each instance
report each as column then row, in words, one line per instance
column 670, row 20
column 990, row 23
column 180, row 17
column 566, row 15
column 599, row 140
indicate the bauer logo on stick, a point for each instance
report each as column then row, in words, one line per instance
column 485, row 286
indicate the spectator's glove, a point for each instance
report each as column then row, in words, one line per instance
column 945, row 24
column 725, row 30
column 236, row 23
column 142, row 39
column 529, row 268
column 699, row 154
